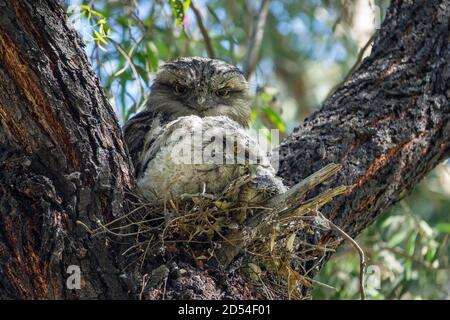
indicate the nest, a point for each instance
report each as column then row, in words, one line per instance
column 265, row 241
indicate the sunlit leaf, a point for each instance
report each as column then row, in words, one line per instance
column 425, row 228
column 275, row 119
column 397, row 239
column 152, row 54
column 443, row 227
column 179, row 8
column 99, row 37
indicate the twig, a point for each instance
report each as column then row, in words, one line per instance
column 254, row 45
column 322, row 284
column 197, row 195
column 360, row 56
column 85, row 226
column 301, row 188
column 262, row 222
column 362, row 258
column 145, row 280
column 165, row 288
column 128, row 58
column 205, row 34
column 297, row 211
column 104, row 226
column 355, row 66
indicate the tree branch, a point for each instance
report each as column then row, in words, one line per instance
column 205, row 34
column 388, row 125
column 254, row 45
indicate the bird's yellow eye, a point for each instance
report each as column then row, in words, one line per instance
column 224, row 92
column 179, row 89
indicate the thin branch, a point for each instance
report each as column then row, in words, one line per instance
column 129, row 62
column 362, row 257
column 301, row 188
column 286, row 206
column 358, row 62
column 205, row 34
column 360, row 56
column 254, row 45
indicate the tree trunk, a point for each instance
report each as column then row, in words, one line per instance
column 62, row 157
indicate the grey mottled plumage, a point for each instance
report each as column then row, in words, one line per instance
column 188, row 94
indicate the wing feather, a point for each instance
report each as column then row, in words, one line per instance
column 135, row 132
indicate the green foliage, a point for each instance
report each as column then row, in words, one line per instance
column 100, row 30
column 129, row 41
column 179, row 9
column 308, row 47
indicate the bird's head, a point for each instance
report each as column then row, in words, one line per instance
column 202, row 87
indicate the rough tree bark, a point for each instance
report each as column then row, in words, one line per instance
column 62, row 157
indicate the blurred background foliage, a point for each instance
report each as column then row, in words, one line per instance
column 294, row 53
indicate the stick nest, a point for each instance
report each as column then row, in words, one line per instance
column 265, row 242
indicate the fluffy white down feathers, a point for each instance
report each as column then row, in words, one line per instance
column 189, row 156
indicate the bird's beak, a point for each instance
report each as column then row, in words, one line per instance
column 201, row 100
